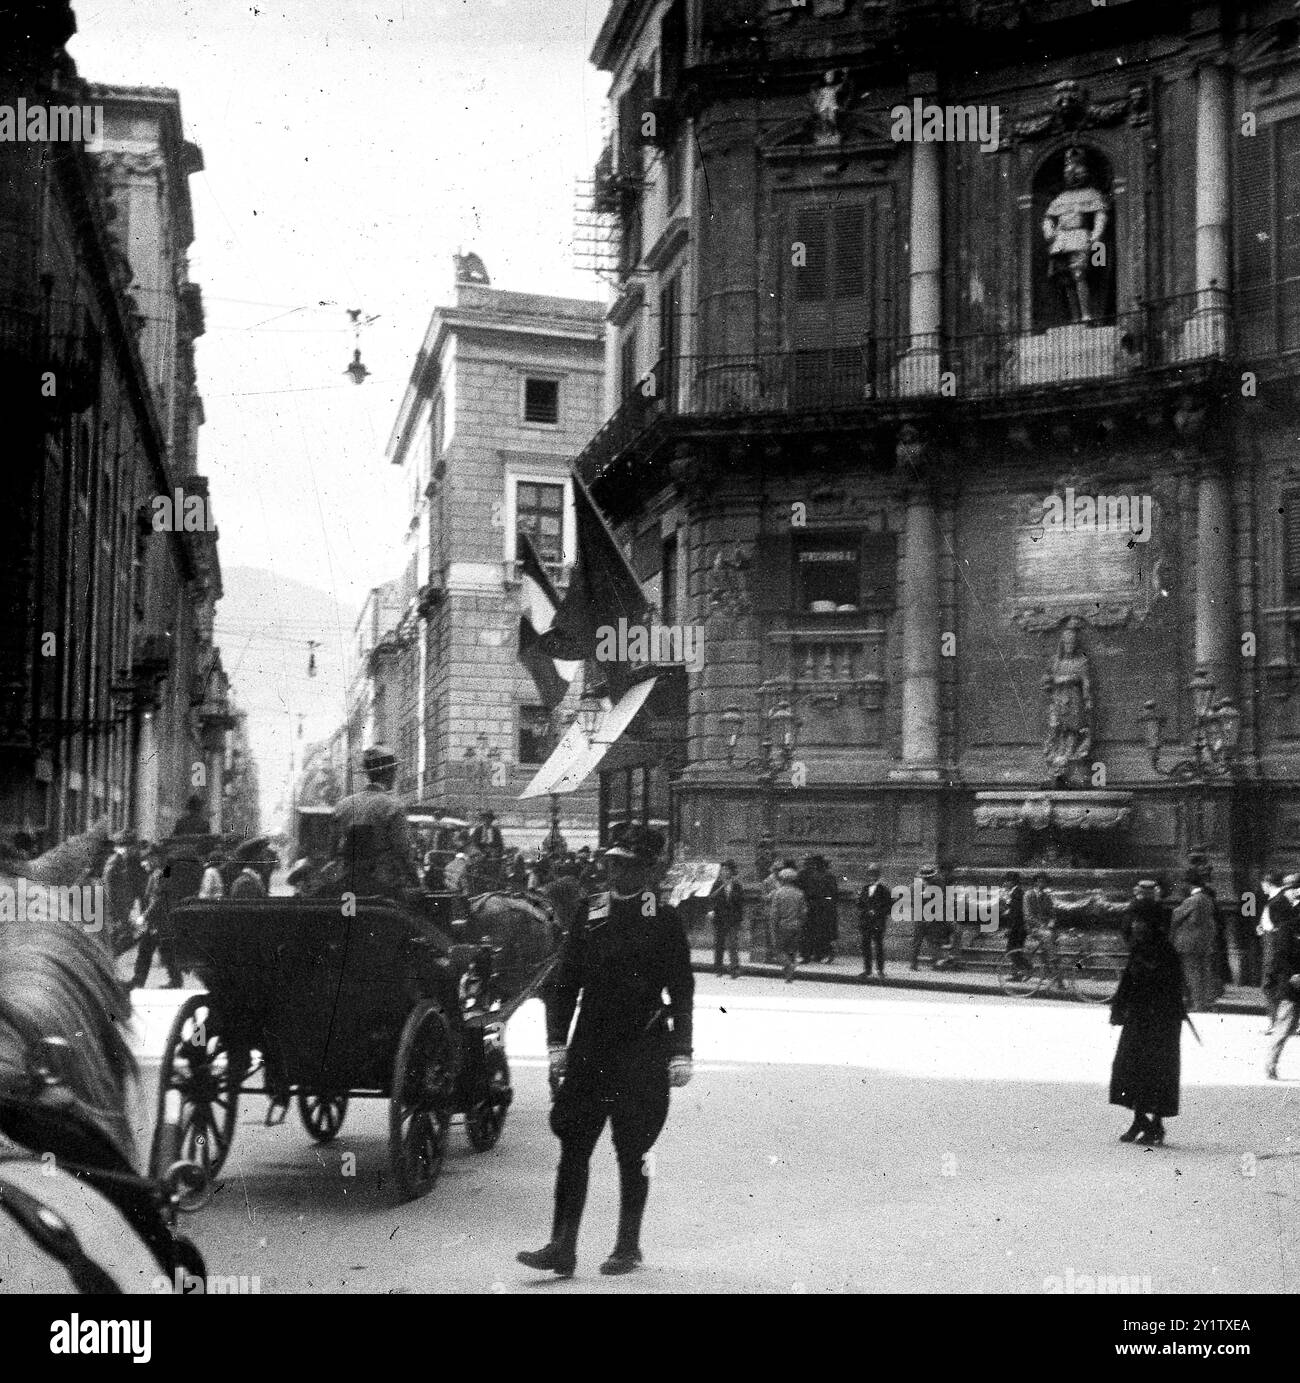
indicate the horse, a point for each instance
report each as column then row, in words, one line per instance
column 69, row 1181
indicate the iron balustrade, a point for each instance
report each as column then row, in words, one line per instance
column 1155, row 336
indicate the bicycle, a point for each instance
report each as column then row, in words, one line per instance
column 1073, row 966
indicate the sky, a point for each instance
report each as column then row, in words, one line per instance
column 350, row 147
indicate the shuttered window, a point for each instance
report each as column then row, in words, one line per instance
column 837, row 285
column 1291, row 547
column 1266, row 213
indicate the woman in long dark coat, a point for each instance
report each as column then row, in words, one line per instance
column 1148, row 1007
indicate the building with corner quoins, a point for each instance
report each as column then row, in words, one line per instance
column 871, row 371
column 505, row 389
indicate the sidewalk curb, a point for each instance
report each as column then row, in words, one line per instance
column 926, row 981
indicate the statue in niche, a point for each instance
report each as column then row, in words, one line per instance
column 1073, row 226
column 1068, row 685
column 829, row 101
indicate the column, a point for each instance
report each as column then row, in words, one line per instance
column 920, row 370
column 1216, row 644
column 920, row 605
column 147, row 824
column 1211, row 208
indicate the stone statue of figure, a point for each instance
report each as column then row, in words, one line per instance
column 1069, row 706
column 828, row 102
column 1073, row 226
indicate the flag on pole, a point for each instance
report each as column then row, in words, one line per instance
column 539, row 601
column 603, row 590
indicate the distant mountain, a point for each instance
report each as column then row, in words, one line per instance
column 265, row 626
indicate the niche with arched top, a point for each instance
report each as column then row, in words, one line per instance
column 1071, row 198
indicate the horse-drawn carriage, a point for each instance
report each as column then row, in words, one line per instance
column 404, row 1005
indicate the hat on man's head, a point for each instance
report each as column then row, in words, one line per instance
column 1011, row 877
column 378, row 758
column 126, row 837
column 640, row 843
column 874, row 870
column 1145, row 886
column 787, row 876
column 928, row 871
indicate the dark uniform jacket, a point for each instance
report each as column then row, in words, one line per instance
column 621, row 963
column 372, row 840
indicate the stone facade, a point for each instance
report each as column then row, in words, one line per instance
column 476, row 460
column 877, row 395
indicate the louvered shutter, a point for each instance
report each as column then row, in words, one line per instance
column 771, row 570
column 1287, row 197
column 879, row 570
column 1254, row 223
column 1291, row 547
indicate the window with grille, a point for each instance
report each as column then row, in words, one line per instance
column 539, row 512
column 542, row 401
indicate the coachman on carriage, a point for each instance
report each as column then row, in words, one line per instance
column 362, row 986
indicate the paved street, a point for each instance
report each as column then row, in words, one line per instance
column 831, row 1141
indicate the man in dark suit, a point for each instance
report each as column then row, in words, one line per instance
column 628, row 1046
column 1012, row 907
column 874, row 904
column 1282, row 972
column 727, row 911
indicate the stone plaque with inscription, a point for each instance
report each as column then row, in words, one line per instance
column 1101, row 574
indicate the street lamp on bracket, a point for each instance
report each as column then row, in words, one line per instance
column 1213, row 743
column 776, row 749
column 1211, row 748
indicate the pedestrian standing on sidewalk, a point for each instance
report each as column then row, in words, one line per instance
column 1275, row 910
column 788, row 909
column 821, row 890
column 1282, row 976
column 1012, row 912
column 157, row 935
column 727, row 915
column 1148, row 1007
column 1195, row 936
column 924, row 932
column 627, row 1049
column 874, row 904
column 767, row 887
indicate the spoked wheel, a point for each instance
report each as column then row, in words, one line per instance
column 1021, row 973
column 198, row 1097
column 322, row 1115
column 419, row 1109
column 1096, row 978
column 485, row 1119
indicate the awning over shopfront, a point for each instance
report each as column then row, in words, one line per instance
column 577, row 754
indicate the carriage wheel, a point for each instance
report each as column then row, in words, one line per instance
column 485, row 1119
column 419, row 1110
column 198, row 1096
column 322, row 1115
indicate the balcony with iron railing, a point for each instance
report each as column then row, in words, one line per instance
column 892, row 374
column 59, row 340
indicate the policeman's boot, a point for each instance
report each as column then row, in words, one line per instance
column 633, row 1190
column 560, row 1256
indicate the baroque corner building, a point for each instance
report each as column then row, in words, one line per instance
column 954, row 345
column 113, row 702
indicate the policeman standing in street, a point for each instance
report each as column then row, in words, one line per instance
column 628, row 1047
